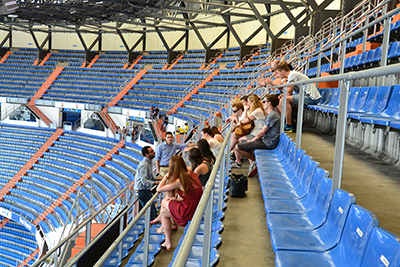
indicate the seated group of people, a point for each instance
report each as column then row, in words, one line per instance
column 182, row 185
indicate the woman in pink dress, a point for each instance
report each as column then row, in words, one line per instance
column 181, row 207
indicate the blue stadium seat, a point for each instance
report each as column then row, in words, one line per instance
column 348, row 252
column 319, row 193
column 390, row 113
column 383, row 249
column 317, row 216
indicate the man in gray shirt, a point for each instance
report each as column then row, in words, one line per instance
column 145, row 180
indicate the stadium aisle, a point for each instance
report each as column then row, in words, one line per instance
column 245, row 239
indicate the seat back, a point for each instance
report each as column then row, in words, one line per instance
column 356, row 232
column 361, row 98
column 324, row 197
column 377, row 54
column 383, row 249
column 337, row 214
column 393, row 47
column 313, row 180
column 329, row 94
column 393, row 107
column 381, row 99
column 369, row 57
column 353, row 95
column 335, row 98
column 370, row 101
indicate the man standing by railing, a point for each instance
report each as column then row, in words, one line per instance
column 165, row 151
column 311, row 94
column 145, row 180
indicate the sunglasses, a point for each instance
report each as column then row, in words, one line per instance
column 234, row 111
column 265, row 101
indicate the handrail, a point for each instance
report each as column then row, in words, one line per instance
column 391, row 13
column 120, row 238
column 76, row 231
column 382, row 71
column 187, row 243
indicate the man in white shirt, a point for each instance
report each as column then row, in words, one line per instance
column 311, row 94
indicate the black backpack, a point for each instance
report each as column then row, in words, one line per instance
column 238, row 185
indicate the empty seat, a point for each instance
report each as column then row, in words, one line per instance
column 348, row 252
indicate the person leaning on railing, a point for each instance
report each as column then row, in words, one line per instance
column 182, row 207
column 311, row 94
column 268, row 137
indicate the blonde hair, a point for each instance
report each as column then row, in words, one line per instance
column 255, row 103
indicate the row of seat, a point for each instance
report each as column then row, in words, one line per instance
column 371, row 105
column 309, row 225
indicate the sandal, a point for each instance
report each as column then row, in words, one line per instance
column 174, row 226
column 167, row 248
column 155, row 222
column 160, row 231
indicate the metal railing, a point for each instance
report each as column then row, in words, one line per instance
column 205, row 207
column 55, row 256
column 345, row 78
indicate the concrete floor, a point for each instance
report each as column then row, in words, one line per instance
column 245, row 239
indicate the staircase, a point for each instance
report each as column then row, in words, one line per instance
column 28, row 165
column 213, row 62
column 5, row 57
column 127, row 87
column 175, row 62
column 136, row 62
column 108, row 120
column 46, row 85
column 194, row 91
column 44, row 59
column 32, row 108
column 104, row 114
column 96, row 57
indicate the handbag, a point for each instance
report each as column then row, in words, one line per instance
column 238, row 185
column 244, row 129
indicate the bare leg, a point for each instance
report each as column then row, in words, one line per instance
column 288, row 113
column 234, row 141
column 248, row 155
column 166, row 223
column 237, row 154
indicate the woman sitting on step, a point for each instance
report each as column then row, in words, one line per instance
column 182, row 207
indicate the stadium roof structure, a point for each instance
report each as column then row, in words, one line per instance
column 147, row 14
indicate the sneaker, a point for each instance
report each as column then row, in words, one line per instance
column 288, row 129
column 253, row 172
column 233, row 156
column 236, row 165
column 252, row 166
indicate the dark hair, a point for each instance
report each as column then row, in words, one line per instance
column 244, row 97
column 204, row 147
column 215, row 131
column 273, row 99
column 195, row 157
column 238, row 105
column 167, row 133
column 145, row 150
column 282, row 66
column 207, row 131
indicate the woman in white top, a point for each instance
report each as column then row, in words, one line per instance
column 255, row 113
column 215, row 146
